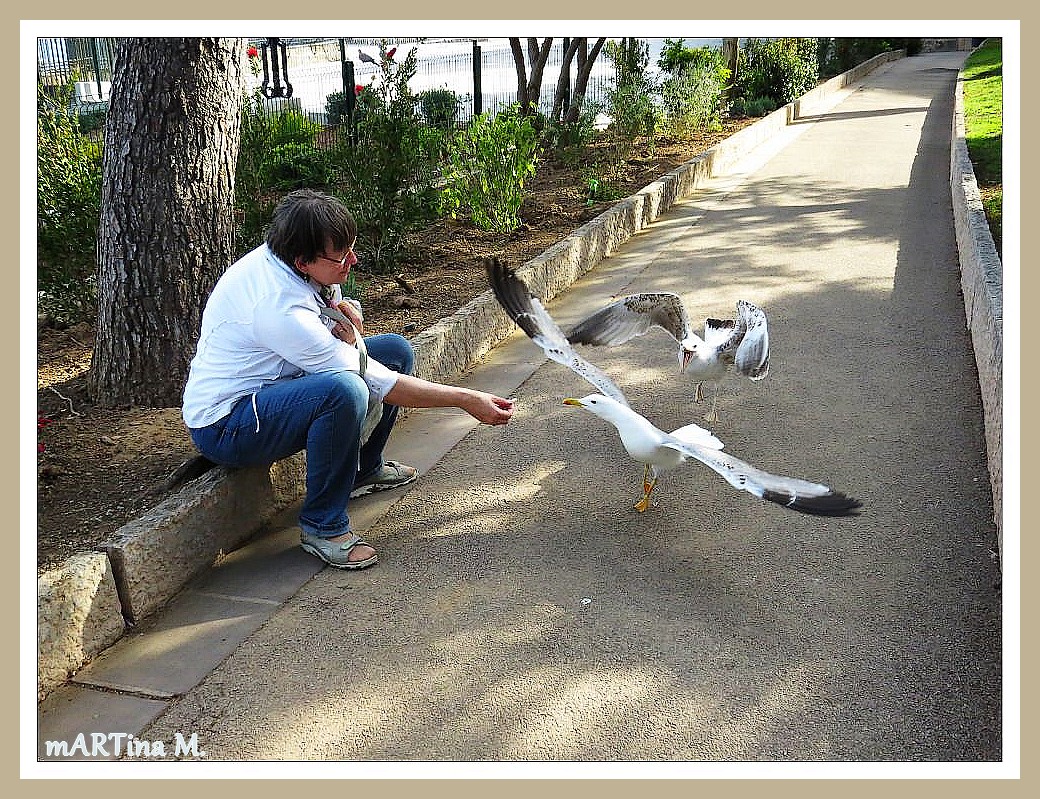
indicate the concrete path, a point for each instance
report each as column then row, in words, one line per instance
column 523, row 611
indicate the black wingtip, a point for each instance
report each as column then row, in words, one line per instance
column 833, row 504
column 512, row 294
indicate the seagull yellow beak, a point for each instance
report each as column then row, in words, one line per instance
column 572, row 401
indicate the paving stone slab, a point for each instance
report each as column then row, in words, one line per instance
column 185, row 643
column 75, row 710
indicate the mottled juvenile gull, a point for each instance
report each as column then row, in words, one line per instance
column 740, row 345
column 657, row 450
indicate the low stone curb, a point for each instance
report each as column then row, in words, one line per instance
column 982, row 284
column 152, row 557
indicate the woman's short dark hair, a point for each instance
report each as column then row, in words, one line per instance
column 305, row 222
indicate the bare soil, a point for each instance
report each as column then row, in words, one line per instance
column 99, row 468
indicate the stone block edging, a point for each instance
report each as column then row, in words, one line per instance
column 152, row 557
column 982, row 284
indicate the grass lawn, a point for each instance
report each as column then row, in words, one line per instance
column 983, row 126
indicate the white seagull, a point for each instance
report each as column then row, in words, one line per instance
column 740, row 344
column 657, row 450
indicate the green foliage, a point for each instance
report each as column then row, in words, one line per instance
column 353, row 287
column 781, row 69
column 676, row 57
column 68, row 209
column 92, row 120
column 296, row 166
column 837, row 55
column 630, row 102
column 984, row 127
column 486, row 168
column 292, row 127
column 336, row 107
column 570, row 141
column 276, row 152
column 391, row 168
column 440, row 107
column 693, row 93
column 754, row 107
column 598, row 188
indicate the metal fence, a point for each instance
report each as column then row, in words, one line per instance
column 85, row 60
column 313, row 74
column 480, row 72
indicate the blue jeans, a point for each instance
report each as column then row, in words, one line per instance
column 322, row 413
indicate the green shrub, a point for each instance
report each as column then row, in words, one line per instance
column 570, row 142
column 487, row 166
column 755, row 107
column 68, row 209
column 296, row 166
column 837, row 55
column 336, row 107
column 276, row 152
column 93, row 120
column 440, row 107
column 292, row 127
column 598, row 188
column 781, row 69
column 630, row 102
column 390, row 169
column 693, row 94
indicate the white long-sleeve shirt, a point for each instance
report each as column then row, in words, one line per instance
column 262, row 324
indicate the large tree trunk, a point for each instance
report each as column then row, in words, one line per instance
column 167, row 202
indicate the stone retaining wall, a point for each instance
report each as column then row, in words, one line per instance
column 982, row 283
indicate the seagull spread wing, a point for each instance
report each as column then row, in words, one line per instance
column 752, row 356
column 722, row 334
column 791, row 492
column 530, row 315
column 633, row 316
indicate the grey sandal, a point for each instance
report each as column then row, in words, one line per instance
column 336, row 553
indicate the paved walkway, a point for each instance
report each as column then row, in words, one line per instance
column 523, row 611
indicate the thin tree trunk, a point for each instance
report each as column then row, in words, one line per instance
column 581, row 81
column 521, row 74
column 167, row 223
column 563, row 83
column 729, row 53
column 539, row 56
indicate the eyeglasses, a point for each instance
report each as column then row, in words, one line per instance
column 341, row 261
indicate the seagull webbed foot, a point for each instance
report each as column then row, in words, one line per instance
column 648, row 486
column 712, row 415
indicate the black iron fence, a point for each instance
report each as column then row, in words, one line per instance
column 87, row 61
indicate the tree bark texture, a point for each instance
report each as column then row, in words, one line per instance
column 521, row 73
column 539, row 56
column 730, row 54
column 167, row 211
column 581, row 81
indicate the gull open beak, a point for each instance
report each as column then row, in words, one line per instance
column 573, row 401
column 684, row 359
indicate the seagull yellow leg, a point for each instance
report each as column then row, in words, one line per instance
column 648, row 486
column 712, row 416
